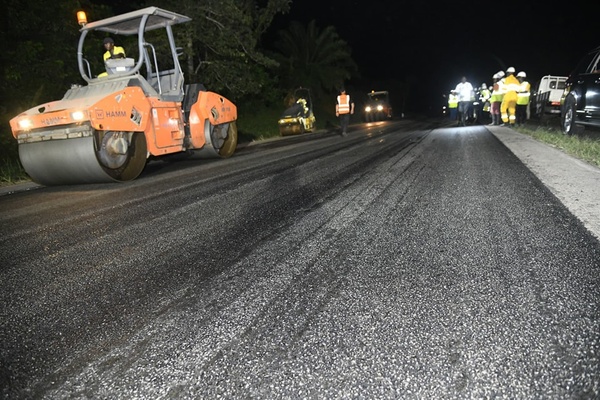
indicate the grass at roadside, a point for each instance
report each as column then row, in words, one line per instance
column 258, row 125
column 585, row 147
column 11, row 172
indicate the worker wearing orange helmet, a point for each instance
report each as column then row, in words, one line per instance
column 510, row 87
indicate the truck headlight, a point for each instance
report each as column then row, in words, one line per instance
column 368, row 108
column 379, row 108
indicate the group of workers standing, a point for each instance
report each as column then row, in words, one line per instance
column 506, row 100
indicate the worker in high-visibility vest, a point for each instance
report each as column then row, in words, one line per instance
column 344, row 107
column 484, row 100
column 510, row 87
column 496, row 98
column 112, row 52
column 453, row 105
column 522, row 98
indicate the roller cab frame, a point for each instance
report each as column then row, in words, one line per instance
column 129, row 110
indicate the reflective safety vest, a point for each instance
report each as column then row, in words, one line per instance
column 452, row 100
column 523, row 93
column 343, row 104
column 497, row 94
column 484, row 95
column 510, row 87
column 116, row 50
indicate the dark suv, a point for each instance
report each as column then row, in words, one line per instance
column 580, row 103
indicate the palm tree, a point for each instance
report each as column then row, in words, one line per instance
column 314, row 58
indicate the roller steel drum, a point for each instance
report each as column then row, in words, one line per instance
column 80, row 160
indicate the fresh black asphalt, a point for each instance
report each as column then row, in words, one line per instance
column 407, row 260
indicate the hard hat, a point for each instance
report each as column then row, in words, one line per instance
column 510, row 70
column 108, row 40
column 483, row 86
column 521, row 74
column 496, row 76
column 500, row 74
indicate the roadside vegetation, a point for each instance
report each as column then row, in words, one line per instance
column 585, row 146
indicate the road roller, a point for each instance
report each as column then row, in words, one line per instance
column 129, row 110
column 299, row 118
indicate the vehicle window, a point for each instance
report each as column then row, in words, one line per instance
column 561, row 85
column 585, row 64
column 595, row 66
column 552, row 85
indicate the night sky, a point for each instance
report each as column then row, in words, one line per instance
column 432, row 44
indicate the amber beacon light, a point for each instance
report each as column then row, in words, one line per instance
column 81, row 18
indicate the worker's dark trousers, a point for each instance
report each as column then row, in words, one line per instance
column 463, row 109
column 344, row 121
column 521, row 114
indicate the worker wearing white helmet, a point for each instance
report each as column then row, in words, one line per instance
column 510, row 87
column 522, row 99
column 496, row 99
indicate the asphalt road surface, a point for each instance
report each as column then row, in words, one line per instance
column 407, row 260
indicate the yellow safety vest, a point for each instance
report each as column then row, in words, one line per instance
column 484, row 94
column 523, row 93
column 452, row 101
column 510, row 87
column 497, row 94
column 116, row 50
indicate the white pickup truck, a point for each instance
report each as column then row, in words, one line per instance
column 546, row 95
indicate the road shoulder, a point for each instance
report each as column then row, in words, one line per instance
column 574, row 182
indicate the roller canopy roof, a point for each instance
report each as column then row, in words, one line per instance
column 129, row 23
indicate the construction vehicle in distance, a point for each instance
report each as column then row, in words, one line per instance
column 299, row 118
column 106, row 130
column 378, row 107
